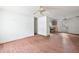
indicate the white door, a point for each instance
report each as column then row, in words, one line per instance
column 42, row 26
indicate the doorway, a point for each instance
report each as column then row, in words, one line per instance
column 35, row 25
column 54, row 27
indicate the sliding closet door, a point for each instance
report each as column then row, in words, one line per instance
column 43, row 26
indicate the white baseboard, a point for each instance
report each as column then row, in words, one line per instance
column 17, row 38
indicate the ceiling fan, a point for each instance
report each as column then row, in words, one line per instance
column 40, row 10
column 43, row 9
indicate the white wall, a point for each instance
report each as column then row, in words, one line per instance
column 74, row 26
column 15, row 22
column 59, row 24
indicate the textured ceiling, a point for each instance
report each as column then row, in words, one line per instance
column 61, row 11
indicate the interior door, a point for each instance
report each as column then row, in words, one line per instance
column 42, row 26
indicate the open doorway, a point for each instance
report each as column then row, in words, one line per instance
column 53, row 27
column 35, row 25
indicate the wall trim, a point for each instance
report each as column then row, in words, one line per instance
column 18, row 38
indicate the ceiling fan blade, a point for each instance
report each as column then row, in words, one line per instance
column 51, row 8
column 35, row 12
column 41, row 10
